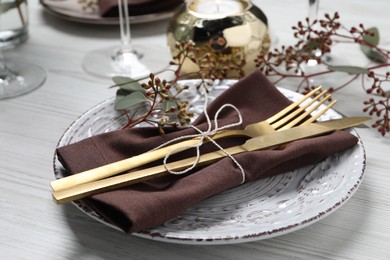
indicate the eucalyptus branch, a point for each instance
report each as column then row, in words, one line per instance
column 165, row 107
column 321, row 35
column 283, row 63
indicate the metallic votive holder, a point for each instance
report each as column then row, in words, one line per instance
column 241, row 35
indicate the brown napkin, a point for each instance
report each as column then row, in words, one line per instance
column 109, row 8
column 150, row 204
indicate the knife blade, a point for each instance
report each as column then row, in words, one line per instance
column 257, row 143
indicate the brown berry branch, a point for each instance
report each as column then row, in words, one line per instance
column 158, row 102
column 314, row 39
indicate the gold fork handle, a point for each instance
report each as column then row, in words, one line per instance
column 123, row 180
column 115, row 168
column 131, row 163
column 227, row 133
column 251, row 130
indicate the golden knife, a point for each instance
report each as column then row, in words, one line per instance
column 257, row 143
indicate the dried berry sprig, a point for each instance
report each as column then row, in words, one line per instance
column 162, row 98
column 379, row 105
column 218, row 65
column 316, row 39
column 210, row 64
column 156, row 96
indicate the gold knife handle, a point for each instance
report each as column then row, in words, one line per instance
column 118, row 167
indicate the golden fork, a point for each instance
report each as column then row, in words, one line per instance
column 290, row 116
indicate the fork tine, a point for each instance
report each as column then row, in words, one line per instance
column 308, row 112
column 298, row 111
column 317, row 115
column 292, row 106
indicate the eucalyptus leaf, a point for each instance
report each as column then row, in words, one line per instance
column 373, row 54
column 129, row 100
column 349, row 69
column 120, row 93
column 128, row 84
column 313, row 45
column 373, row 40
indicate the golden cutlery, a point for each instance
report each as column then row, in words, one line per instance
column 257, row 143
column 289, row 117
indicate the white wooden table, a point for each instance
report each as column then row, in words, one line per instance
column 33, row 227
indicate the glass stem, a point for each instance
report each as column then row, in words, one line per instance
column 313, row 9
column 6, row 75
column 124, row 26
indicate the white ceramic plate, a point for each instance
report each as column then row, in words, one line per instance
column 72, row 10
column 253, row 211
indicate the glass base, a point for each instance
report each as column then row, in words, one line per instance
column 109, row 62
column 20, row 78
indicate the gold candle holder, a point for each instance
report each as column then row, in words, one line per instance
column 234, row 29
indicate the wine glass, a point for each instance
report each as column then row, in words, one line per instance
column 17, row 77
column 124, row 60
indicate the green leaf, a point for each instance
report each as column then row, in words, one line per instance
column 373, row 54
column 122, row 93
column 349, row 69
column 313, row 45
column 129, row 100
column 128, row 84
column 373, row 40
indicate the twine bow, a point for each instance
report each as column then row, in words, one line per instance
column 202, row 136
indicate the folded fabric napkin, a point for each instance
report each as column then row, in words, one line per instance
column 109, row 8
column 150, row 204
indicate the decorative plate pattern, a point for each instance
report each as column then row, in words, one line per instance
column 258, row 210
